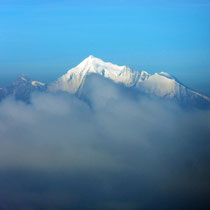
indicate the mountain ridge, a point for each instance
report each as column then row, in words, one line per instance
column 22, row 88
column 161, row 85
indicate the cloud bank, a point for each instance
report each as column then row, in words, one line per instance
column 108, row 150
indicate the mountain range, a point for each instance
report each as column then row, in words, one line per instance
column 160, row 85
column 22, row 88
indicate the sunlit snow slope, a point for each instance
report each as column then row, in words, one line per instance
column 162, row 84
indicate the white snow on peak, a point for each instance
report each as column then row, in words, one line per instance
column 22, row 77
column 143, row 76
column 34, row 83
column 75, row 77
column 37, row 83
column 169, row 76
column 160, row 84
column 165, row 74
column 91, row 57
column 166, row 86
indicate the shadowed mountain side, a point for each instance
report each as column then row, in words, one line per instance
column 22, row 88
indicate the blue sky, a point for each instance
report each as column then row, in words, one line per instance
column 43, row 39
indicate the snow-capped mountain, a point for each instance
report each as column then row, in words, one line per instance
column 74, row 79
column 162, row 84
column 22, row 88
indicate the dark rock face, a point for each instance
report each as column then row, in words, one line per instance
column 22, row 88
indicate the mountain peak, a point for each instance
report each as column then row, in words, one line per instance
column 91, row 57
column 160, row 84
column 73, row 80
column 169, row 76
column 23, row 78
column 89, row 61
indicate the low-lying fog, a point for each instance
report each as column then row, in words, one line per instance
column 109, row 151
